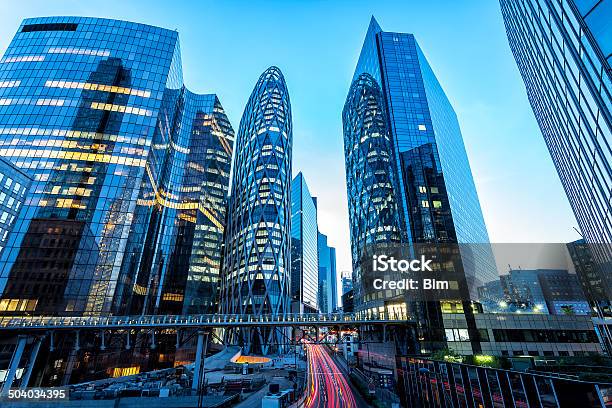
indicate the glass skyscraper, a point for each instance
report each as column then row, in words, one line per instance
column 129, row 171
column 563, row 51
column 563, row 48
column 304, row 253
column 408, row 176
column 14, row 186
column 257, row 258
column 181, row 272
column 328, row 277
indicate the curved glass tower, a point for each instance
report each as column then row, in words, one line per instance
column 374, row 208
column 257, row 258
column 408, row 176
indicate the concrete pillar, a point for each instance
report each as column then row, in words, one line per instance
column 153, row 344
column 178, row 339
column 71, row 362
column 127, row 344
column 10, row 377
column 31, row 361
column 199, row 360
column 77, row 341
column 102, row 344
column 51, row 342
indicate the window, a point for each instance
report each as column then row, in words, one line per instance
column 422, row 127
column 463, row 335
column 449, row 335
column 28, row 28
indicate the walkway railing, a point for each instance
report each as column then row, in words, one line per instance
column 204, row 320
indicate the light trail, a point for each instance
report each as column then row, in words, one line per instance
column 327, row 386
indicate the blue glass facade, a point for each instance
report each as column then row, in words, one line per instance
column 14, row 186
column 96, row 113
column 553, row 291
column 562, row 49
column 328, row 280
column 304, row 253
column 408, row 176
column 257, row 257
column 180, row 268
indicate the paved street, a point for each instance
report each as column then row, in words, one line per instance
column 328, row 385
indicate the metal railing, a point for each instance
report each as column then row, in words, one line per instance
column 22, row 323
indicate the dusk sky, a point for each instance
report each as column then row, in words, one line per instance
column 226, row 46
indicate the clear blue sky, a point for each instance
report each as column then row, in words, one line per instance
column 226, row 45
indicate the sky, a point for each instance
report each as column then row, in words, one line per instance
column 226, row 45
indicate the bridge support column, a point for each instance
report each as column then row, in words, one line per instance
column 198, row 365
column 153, row 344
column 102, row 343
column 77, row 342
column 51, row 342
column 178, row 338
column 127, row 344
column 31, row 361
column 10, row 377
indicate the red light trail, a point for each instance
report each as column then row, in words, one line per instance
column 327, row 386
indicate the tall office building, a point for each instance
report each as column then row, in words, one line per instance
column 128, row 168
column 14, row 186
column 180, row 267
column 304, row 253
column 408, row 176
column 347, row 283
column 328, row 280
column 563, row 50
column 257, row 259
column 595, row 284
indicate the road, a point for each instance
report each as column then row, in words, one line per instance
column 327, row 385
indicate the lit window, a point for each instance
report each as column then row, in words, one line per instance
column 425, row 204
column 422, row 127
column 437, row 204
column 9, row 84
column 97, row 87
column 50, row 102
column 24, row 58
column 79, row 51
column 121, row 109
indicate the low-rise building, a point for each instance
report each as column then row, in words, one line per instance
column 521, row 334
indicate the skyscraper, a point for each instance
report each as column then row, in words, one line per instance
column 304, row 253
column 129, row 170
column 408, row 176
column 181, row 272
column 594, row 283
column 14, row 186
column 257, row 259
column 328, row 280
column 347, row 283
column 562, row 49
